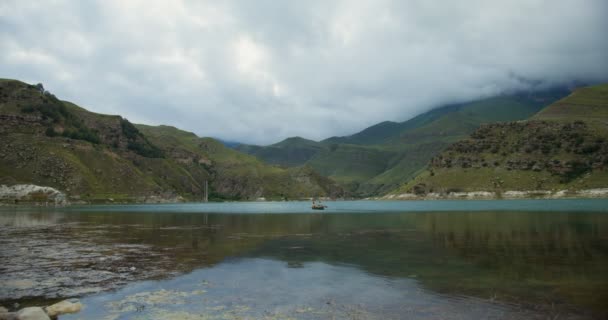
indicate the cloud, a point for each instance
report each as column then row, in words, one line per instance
column 260, row 71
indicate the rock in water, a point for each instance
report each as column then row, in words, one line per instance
column 5, row 315
column 63, row 307
column 32, row 313
column 8, row 316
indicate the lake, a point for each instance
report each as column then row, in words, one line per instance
column 518, row 259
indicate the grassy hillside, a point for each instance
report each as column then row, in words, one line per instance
column 379, row 158
column 589, row 104
column 103, row 158
column 237, row 174
column 564, row 146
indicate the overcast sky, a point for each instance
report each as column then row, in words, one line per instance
column 260, row 71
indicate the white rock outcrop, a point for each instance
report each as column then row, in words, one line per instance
column 472, row 195
column 31, row 192
column 594, row 193
column 511, row 194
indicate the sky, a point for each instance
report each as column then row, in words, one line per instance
column 264, row 70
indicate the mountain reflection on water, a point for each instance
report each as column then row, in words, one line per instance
column 501, row 264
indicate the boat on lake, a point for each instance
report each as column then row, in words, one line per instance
column 318, row 205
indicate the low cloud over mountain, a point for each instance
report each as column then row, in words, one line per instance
column 259, row 71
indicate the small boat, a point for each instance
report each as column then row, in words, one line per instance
column 318, row 206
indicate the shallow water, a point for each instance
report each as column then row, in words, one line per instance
column 359, row 260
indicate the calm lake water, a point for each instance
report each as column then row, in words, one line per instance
column 529, row 259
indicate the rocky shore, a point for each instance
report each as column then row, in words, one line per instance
column 31, row 193
column 512, row 194
column 51, row 312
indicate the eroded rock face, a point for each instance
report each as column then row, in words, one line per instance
column 31, row 193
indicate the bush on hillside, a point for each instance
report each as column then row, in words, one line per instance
column 50, row 132
column 138, row 143
column 145, row 149
column 57, row 113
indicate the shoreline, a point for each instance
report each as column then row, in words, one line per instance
column 598, row 193
column 29, row 195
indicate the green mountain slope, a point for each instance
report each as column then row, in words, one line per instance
column 290, row 152
column 379, row 158
column 589, row 104
column 94, row 157
column 562, row 147
column 238, row 174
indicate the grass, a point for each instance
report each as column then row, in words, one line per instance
column 588, row 103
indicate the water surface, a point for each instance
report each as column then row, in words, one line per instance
column 359, row 260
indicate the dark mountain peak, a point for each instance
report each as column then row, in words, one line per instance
column 291, row 141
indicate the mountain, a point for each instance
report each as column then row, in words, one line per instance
column 294, row 151
column 103, row 158
column 229, row 144
column 379, row 158
column 562, row 147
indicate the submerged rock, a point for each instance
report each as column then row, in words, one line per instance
column 47, row 313
column 8, row 316
column 32, row 313
column 5, row 315
column 63, row 307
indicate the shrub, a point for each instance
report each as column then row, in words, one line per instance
column 56, row 112
column 82, row 134
column 545, row 148
column 575, row 170
column 129, row 130
column 137, row 143
column 419, row 189
column 145, row 149
column 588, row 148
column 50, row 132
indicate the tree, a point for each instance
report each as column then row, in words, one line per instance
column 40, row 87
